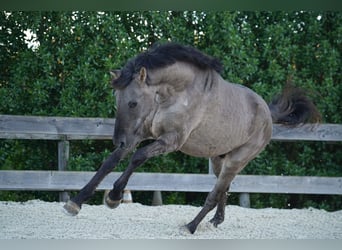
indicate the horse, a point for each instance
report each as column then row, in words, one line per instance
column 174, row 96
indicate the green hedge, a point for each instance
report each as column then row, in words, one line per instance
column 67, row 75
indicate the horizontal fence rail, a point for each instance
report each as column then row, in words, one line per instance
column 71, row 180
column 65, row 129
column 55, row 128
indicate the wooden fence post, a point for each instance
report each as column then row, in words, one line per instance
column 157, row 199
column 210, row 167
column 244, row 200
column 127, row 196
column 63, row 158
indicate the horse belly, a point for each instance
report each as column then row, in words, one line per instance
column 218, row 135
column 213, row 140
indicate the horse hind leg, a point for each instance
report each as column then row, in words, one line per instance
column 214, row 198
column 217, row 163
column 218, row 218
column 239, row 157
column 220, row 209
column 232, row 164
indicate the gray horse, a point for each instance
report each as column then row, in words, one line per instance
column 175, row 95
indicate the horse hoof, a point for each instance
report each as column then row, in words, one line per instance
column 71, row 208
column 110, row 203
column 216, row 221
column 191, row 227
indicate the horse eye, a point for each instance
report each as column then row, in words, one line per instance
column 132, row 104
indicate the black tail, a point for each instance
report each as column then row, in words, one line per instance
column 293, row 107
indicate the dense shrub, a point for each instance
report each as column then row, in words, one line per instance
column 62, row 70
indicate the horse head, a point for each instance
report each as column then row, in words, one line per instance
column 142, row 92
column 135, row 106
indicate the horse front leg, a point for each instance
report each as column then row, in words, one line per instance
column 73, row 206
column 165, row 144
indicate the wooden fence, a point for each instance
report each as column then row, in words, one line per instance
column 68, row 129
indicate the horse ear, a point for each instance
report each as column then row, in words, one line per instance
column 115, row 74
column 142, row 75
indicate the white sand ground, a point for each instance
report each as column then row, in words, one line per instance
column 45, row 220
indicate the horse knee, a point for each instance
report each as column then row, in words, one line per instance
column 139, row 157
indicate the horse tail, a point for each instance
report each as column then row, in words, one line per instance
column 292, row 107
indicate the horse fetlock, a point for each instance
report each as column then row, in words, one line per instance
column 71, row 208
column 217, row 219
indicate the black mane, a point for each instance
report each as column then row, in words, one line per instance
column 162, row 55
